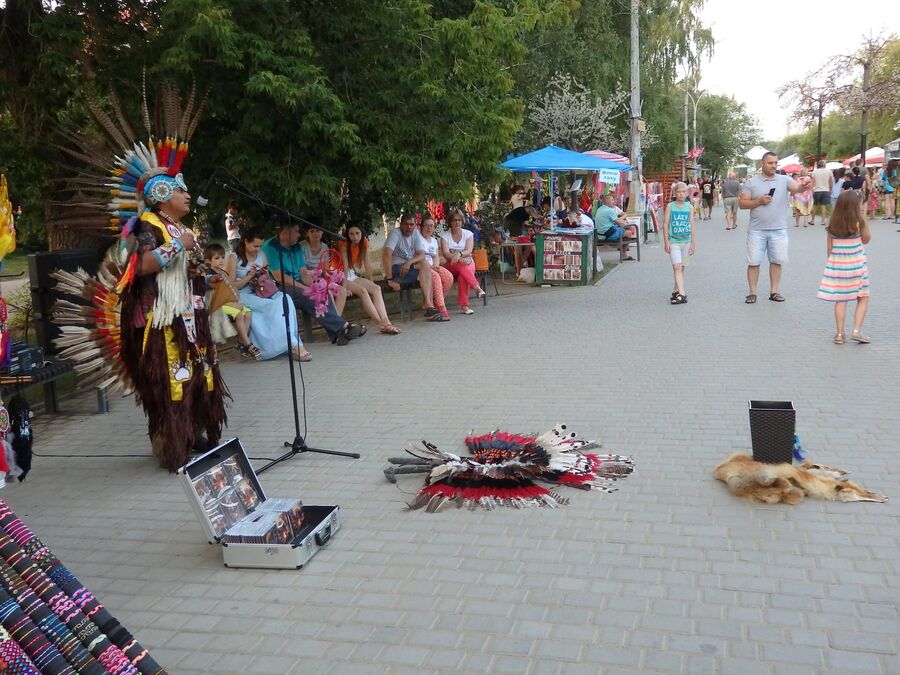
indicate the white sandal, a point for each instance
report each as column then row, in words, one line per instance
column 302, row 355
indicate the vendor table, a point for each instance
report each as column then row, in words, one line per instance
column 509, row 245
column 566, row 256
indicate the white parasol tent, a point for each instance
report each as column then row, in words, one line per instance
column 755, row 153
column 790, row 159
column 874, row 155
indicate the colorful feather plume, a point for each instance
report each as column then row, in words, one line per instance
column 109, row 194
column 505, row 469
column 90, row 328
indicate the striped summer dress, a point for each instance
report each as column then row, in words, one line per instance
column 846, row 274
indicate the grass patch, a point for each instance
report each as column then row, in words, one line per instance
column 607, row 268
column 15, row 263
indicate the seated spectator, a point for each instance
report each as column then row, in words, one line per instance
column 288, row 266
column 456, row 249
column 358, row 278
column 234, row 310
column 403, row 260
column 611, row 222
column 267, row 320
column 577, row 218
column 441, row 278
column 313, row 251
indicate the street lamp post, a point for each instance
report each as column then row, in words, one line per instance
column 695, row 101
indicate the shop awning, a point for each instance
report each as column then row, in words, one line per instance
column 874, row 155
column 789, row 160
column 611, row 156
column 553, row 158
column 755, row 153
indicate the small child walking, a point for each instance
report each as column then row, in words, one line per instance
column 846, row 275
column 678, row 235
column 215, row 258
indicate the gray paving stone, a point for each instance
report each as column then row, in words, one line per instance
column 855, row 662
column 792, row 654
column 862, row 642
column 669, row 574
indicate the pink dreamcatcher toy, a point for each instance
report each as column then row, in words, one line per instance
column 325, row 280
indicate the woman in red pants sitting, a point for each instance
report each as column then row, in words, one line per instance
column 456, row 249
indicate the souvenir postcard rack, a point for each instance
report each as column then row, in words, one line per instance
column 255, row 531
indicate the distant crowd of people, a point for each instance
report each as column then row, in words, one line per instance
column 875, row 187
column 847, row 193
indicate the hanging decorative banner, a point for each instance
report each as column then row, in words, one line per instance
column 609, row 176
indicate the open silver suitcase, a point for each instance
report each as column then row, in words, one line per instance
column 231, row 505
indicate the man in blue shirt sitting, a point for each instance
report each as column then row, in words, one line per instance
column 294, row 278
column 610, row 222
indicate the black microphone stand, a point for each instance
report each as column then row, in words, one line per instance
column 298, row 445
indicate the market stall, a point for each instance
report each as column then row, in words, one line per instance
column 565, row 255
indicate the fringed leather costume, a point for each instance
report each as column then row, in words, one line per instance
column 169, row 352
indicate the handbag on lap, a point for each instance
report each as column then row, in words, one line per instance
column 263, row 284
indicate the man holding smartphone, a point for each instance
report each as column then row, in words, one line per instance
column 766, row 195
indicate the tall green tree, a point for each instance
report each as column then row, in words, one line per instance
column 725, row 130
column 336, row 108
column 593, row 48
column 52, row 54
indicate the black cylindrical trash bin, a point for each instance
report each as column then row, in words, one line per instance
column 772, row 425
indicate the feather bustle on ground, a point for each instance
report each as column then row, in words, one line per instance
column 505, row 469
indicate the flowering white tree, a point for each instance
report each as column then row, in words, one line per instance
column 569, row 115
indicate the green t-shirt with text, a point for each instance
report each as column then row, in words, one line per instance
column 679, row 222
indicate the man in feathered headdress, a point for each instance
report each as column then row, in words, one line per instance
column 167, row 348
column 149, row 324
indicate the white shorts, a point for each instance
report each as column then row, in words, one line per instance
column 767, row 243
column 680, row 252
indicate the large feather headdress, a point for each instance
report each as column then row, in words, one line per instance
column 107, row 191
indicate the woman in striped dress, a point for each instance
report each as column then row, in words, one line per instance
column 846, row 274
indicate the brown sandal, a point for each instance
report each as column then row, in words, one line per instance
column 301, row 355
column 390, row 329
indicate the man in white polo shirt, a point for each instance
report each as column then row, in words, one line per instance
column 823, row 183
column 766, row 195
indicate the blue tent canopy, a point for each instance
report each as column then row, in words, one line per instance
column 553, row 158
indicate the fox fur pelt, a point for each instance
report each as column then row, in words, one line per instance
column 775, row 483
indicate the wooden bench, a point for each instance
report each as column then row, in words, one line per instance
column 624, row 242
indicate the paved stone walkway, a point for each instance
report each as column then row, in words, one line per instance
column 671, row 574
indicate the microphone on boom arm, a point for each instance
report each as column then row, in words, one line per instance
column 202, row 200
column 220, row 174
